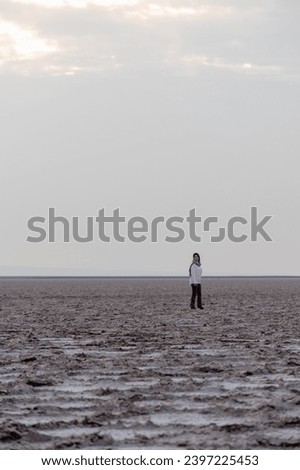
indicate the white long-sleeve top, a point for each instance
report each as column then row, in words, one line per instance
column 196, row 274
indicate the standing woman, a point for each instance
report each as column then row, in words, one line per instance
column 195, row 272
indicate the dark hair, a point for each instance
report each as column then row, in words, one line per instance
column 196, row 254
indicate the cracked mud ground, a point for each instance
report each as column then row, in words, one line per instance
column 125, row 364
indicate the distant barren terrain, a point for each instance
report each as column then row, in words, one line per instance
column 124, row 363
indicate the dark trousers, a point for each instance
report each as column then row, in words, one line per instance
column 196, row 292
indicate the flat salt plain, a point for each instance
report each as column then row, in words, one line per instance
column 125, row 364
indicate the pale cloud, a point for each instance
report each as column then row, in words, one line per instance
column 156, row 10
column 192, row 62
column 144, row 9
column 77, row 3
column 151, row 11
column 18, row 43
column 105, row 65
column 135, row 36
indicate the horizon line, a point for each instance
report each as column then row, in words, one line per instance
column 152, row 277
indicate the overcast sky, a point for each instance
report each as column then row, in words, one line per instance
column 155, row 108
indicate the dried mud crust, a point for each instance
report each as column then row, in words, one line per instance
column 116, row 364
